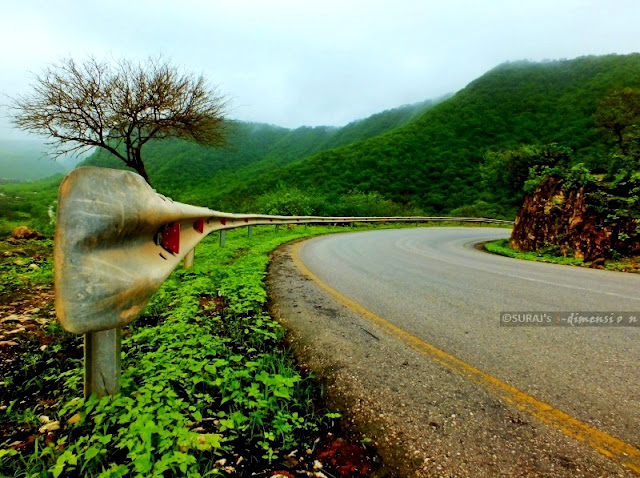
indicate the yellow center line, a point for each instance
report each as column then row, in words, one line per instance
column 610, row 446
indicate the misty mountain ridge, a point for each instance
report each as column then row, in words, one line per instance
column 422, row 157
column 28, row 160
column 433, row 161
column 253, row 149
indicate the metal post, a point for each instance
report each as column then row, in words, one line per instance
column 223, row 238
column 188, row 259
column 277, row 227
column 306, row 225
column 102, row 362
column 250, row 231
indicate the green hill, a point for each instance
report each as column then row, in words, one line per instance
column 423, row 158
column 176, row 167
column 433, row 162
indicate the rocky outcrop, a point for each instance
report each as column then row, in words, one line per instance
column 589, row 222
column 23, row 232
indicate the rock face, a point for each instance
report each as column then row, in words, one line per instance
column 23, row 232
column 588, row 223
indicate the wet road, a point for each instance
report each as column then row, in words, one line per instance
column 435, row 285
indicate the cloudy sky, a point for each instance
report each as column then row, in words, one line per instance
column 308, row 62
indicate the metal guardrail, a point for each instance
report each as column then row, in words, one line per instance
column 117, row 241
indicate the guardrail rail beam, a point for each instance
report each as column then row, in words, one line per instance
column 117, row 241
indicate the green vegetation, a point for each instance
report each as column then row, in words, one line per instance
column 252, row 149
column 587, row 209
column 512, row 173
column 31, row 204
column 431, row 161
column 434, row 162
column 30, row 267
column 431, row 158
column 196, row 174
column 205, row 381
column 283, row 201
column 475, row 153
column 551, row 254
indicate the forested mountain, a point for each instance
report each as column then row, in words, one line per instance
column 424, row 157
column 437, row 157
column 176, row 166
column 434, row 161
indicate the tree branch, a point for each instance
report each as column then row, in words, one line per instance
column 121, row 106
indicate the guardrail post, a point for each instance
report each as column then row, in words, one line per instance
column 223, row 238
column 102, row 362
column 188, row 259
column 277, row 227
column 250, row 232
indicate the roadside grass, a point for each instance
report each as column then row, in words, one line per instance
column 25, row 266
column 32, row 204
column 207, row 388
column 552, row 255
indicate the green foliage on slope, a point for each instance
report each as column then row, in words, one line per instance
column 177, row 167
column 434, row 161
column 32, row 204
column 205, row 381
column 425, row 158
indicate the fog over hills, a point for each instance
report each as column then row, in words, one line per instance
column 27, row 160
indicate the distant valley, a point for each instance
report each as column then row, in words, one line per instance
column 27, row 160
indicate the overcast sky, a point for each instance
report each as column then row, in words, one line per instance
column 308, row 62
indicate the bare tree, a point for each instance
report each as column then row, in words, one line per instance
column 119, row 107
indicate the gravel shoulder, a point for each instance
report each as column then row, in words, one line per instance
column 423, row 419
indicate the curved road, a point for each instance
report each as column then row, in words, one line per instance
column 434, row 284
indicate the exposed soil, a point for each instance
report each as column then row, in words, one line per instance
column 590, row 222
column 22, row 320
column 25, row 313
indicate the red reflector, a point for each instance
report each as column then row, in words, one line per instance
column 246, row 220
column 199, row 225
column 171, row 238
column 223, row 222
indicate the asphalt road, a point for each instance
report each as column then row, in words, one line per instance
column 434, row 284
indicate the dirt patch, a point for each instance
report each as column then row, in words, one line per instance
column 25, row 311
column 33, row 347
column 22, row 320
